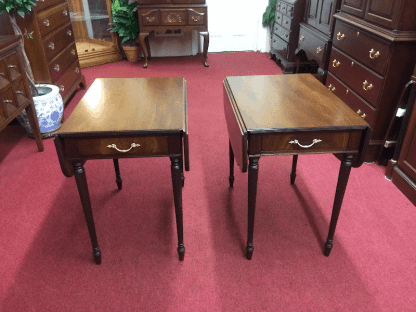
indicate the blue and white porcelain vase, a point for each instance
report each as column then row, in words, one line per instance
column 49, row 110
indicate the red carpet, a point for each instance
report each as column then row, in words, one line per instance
column 46, row 257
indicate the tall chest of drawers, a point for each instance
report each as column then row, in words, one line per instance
column 288, row 15
column 172, row 17
column 52, row 52
column 373, row 54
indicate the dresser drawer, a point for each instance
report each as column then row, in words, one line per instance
column 67, row 80
column 308, row 142
column 52, row 18
column 278, row 18
column 57, row 41
column 117, row 147
column 281, row 32
column 4, row 76
column 356, row 103
column 8, row 102
column 59, row 65
column 43, row 4
column 20, row 93
column 283, row 7
column 279, row 45
column 173, row 17
column 362, row 46
column 358, row 77
column 314, row 47
column 286, row 22
column 13, row 67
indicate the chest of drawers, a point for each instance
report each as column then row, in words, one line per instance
column 172, row 17
column 370, row 64
column 285, row 33
column 15, row 94
column 51, row 50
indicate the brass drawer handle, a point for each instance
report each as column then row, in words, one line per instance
column 374, row 54
column 11, row 66
column 69, row 32
column 51, row 46
column 336, row 63
column 331, row 88
column 46, row 22
column 57, row 68
column 19, row 92
column 305, row 146
column 318, row 50
column 367, row 86
column 65, row 12
column 8, row 101
column 340, row 37
column 73, row 52
column 302, row 37
column 123, row 151
column 77, row 70
column 363, row 116
column 359, row 112
column 61, row 88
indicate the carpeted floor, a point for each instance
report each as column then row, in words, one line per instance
column 46, row 261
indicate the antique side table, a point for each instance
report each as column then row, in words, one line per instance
column 290, row 115
column 127, row 118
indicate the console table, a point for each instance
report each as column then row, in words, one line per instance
column 132, row 122
column 290, row 115
column 172, row 17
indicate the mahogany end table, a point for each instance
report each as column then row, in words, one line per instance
column 127, row 118
column 290, row 115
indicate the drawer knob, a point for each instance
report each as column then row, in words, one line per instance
column 73, row 52
column 51, row 46
column 302, row 38
column 336, row 63
column 123, row 151
column 305, row 146
column 340, row 36
column 69, row 32
column 65, row 12
column 363, row 116
column 374, row 54
column 359, row 112
column 318, row 50
column 61, row 88
column 367, row 86
column 77, row 70
column 46, row 22
column 57, row 68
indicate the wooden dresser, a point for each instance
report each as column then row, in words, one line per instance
column 52, row 52
column 372, row 58
column 15, row 95
column 401, row 169
column 315, row 34
column 288, row 15
column 172, row 17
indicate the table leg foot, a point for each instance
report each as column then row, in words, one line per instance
column 328, row 247
column 181, row 252
column 183, row 179
column 249, row 251
column 97, row 255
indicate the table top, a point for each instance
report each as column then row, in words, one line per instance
column 282, row 103
column 130, row 105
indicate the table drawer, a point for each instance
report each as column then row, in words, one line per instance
column 173, row 17
column 8, row 102
column 309, row 142
column 60, row 64
column 13, row 67
column 117, row 147
column 57, row 41
column 197, row 16
column 314, row 47
column 358, row 105
column 359, row 78
column 362, row 46
column 51, row 19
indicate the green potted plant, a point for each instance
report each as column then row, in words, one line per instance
column 268, row 15
column 125, row 24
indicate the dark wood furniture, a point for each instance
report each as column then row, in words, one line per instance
column 401, row 169
column 172, row 17
column 290, row 114
column 315, row 34
column 372, row 58
column 52, row 52
column 285, row 33
column 133, row 122
column 15, row 95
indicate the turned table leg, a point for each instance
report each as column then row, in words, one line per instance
column 119, row 181
column 293, row 173
column 143, row 45
column 344, row 173
column 253, row 171
column 177, row 195
column 81, row 180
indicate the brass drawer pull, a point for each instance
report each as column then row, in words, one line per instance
column 73, row 52
column 69, row 32
column 61, row 88
column 46, row 22
column 305, row 146
column 57, row 68
column 366, row 86
column 363, row 116
column 123, row 151
column 340, row 37
column 11, row 66
column 19, row 92
column 374, row 54
column 331, row 88
column 51, row 46
column 359, row 112
column 318, row 50
column 8, row 101
column 336, row 63
column 65, row 12
column 77, row 70
column 302, row 37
